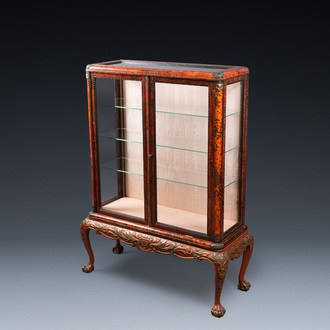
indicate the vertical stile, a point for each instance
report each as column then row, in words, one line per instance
column 96, row 148
column 244, row 145
column 93, row 141
column 149, row 152
column 210, row 168
column 218, row 161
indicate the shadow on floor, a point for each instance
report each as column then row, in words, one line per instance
column 171, row 274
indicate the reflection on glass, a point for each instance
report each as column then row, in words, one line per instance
column 181, row 150
column 232, row 154
column 119, row 112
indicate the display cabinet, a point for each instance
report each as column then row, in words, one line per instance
column 168, row 157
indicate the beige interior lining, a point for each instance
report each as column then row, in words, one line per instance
column 167, row 215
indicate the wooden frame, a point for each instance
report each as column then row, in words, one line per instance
column 217, row 241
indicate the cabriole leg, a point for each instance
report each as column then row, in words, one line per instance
column 242, row 284
column 118, row 249
column 85, row 238
column 220, row 273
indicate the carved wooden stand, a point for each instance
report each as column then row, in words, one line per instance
column 149, row 243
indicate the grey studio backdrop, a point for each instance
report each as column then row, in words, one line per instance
column 45, row 170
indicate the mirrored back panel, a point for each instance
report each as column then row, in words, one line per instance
column 120, row 140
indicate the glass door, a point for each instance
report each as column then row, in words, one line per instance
column 120, row 142
column 181, row 115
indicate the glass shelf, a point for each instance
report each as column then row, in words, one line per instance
column 182, row 176
column 232, row 148
column 136, row 137
column 165, row 112
column 135, row 167
column 126, row 165
column 227, row 185
column 233, row 127
column 232, row 158
column 123, row 134
column 182, row 149
column 173, row 112
column 185, row 183
column 234, row 113
column 181, row 114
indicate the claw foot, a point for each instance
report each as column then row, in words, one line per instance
column 118, row 249
column 88, row 268
column 244, row 286
column 218, row 311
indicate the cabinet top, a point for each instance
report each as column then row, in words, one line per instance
column 168, row 69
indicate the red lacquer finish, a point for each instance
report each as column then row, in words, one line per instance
column 217, row 142
column 173, row 70
column 147, row 234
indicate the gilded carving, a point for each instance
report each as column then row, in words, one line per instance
column 149, row 243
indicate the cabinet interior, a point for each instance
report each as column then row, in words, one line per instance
column 181, row 118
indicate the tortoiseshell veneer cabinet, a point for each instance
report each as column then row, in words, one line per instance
column 168, row 155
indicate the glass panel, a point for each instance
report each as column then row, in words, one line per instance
column 107, row 148
column 181, row 132
column 168, row 66
column 232, row 154
column 181, row 166
column 233, row 99
column 232, row 158
column 182, row 144
column 231, row 204
column 233, row 127
column 119, row 111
